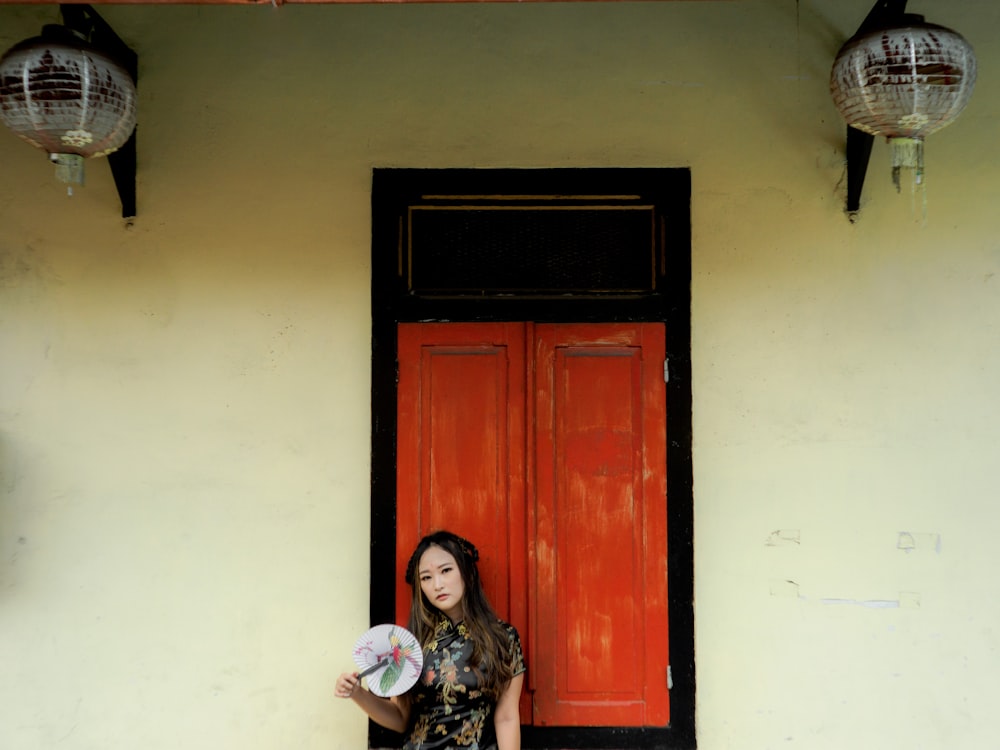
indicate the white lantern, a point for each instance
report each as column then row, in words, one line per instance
column 903, row 82
column 62, row 95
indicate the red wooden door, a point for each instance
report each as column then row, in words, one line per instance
column 599, row 623
column 545, row 445
column 460, row 450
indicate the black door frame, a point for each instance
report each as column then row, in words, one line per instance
column 668, row 191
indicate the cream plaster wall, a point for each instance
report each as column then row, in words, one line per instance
column 184, row 421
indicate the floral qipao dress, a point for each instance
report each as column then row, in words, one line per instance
column 450, row 709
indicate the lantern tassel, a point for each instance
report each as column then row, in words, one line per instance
column 907, row 153
column 69, row 169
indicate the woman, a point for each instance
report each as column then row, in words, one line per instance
column 468, row 694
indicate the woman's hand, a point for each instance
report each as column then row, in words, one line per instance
column 347, row 683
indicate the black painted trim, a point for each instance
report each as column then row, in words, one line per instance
column 670, row 190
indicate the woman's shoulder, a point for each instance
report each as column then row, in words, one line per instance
column 507, row 628
column 513, row 646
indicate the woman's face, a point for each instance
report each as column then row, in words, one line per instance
column 441, row 582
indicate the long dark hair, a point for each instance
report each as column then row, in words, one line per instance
column 491, row 650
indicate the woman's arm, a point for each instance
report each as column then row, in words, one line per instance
column 390, row 713
column 507, row 717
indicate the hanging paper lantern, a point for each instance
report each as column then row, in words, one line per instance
column 903, row 82
column 62, row 95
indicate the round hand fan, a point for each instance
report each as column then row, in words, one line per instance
column 390, row 657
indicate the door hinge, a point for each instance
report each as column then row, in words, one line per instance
column 670, row 678
column 666, row 371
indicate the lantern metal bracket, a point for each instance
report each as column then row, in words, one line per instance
column 859, row 143
column 84, row 20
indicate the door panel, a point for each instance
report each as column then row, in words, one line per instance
column 562, row 490
column 600, row 528
column 460, row 456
